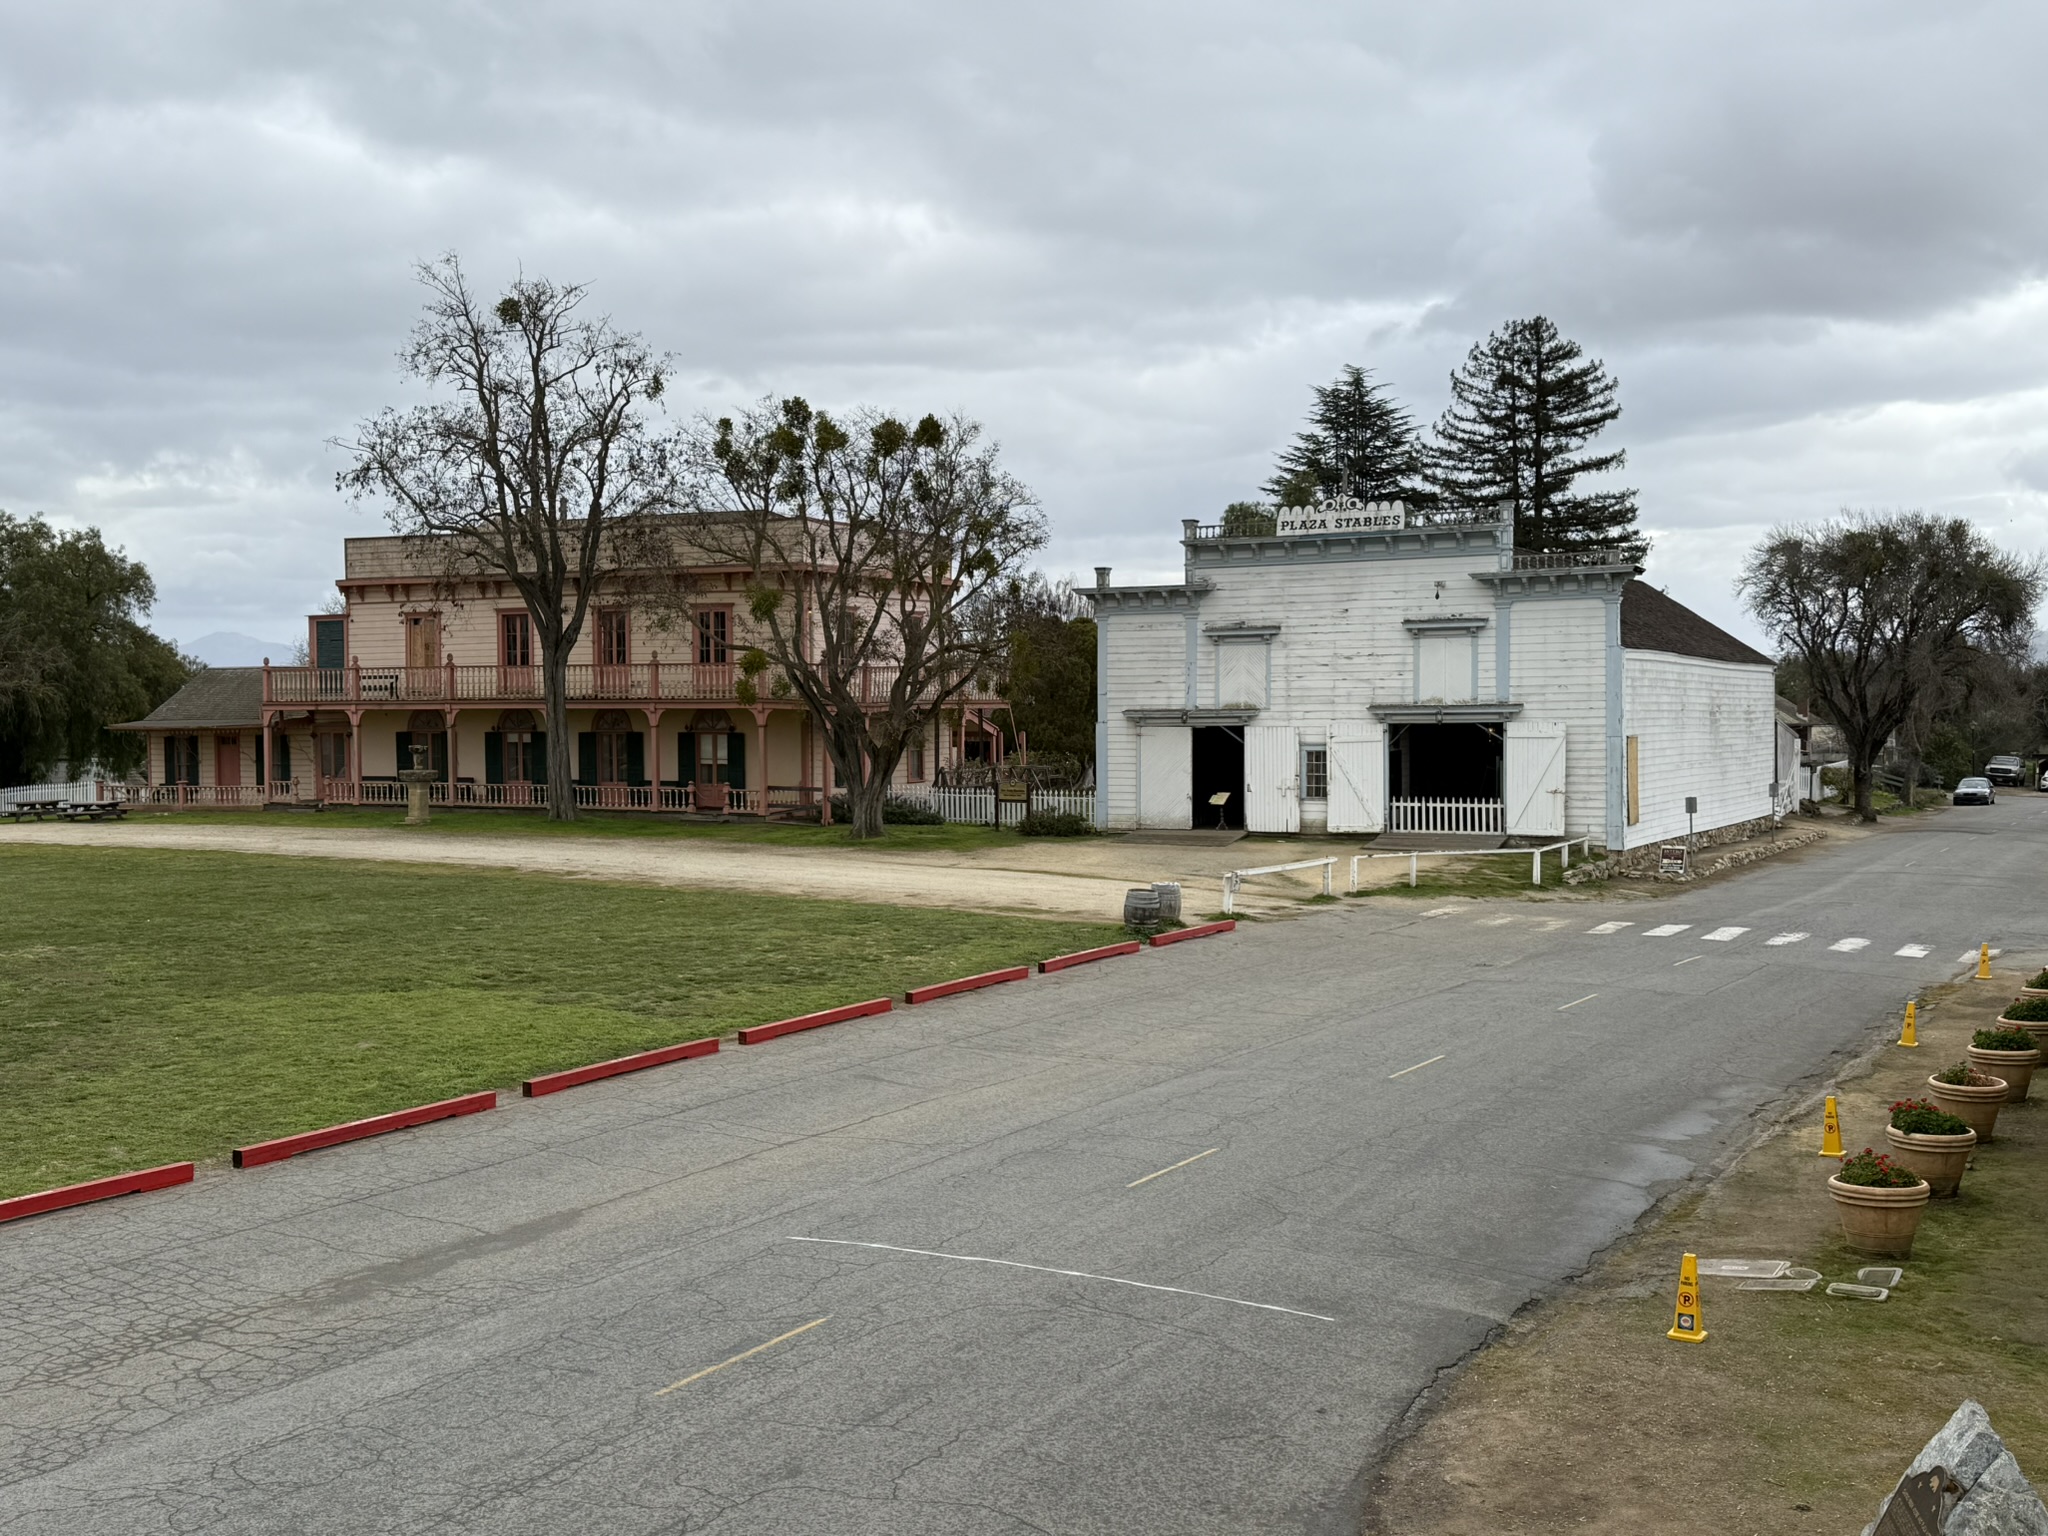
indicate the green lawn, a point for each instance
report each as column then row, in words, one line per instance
column 158, row 1006
column 476, row 823
column 1495, row 875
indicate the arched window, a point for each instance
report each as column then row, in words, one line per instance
column 618, row 747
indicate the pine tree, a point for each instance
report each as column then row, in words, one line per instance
column 1358, row 443
column 1525, row 404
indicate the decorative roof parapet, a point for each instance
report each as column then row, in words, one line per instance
column 1159, row 599
column 1211, row 546
column 1521, row 579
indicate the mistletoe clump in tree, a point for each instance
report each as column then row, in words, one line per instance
column 1358, row 443
column 1526, row 404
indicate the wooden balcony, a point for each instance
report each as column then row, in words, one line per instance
column 661, row 683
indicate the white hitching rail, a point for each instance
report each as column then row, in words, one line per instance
column 1563, row 849
column 1237, row 877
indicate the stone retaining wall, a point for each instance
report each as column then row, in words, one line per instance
column 1759, row 839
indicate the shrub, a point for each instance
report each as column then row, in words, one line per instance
column 1917, row 1117
column 2039, row 981
column 1873, row 1170
column 2033, row 1010
column 895, row 813
column 1962, row 1075
column 1056, row 824
column 2002, row 1040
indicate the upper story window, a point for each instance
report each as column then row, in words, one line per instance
column 714, row 627
column 330, row 642
column 515, row 639
column 423, row 639
column 612, row 631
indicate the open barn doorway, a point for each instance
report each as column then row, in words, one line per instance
column 1218, row 770
column 1445, row 779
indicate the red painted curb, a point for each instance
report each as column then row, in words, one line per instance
column 965, row 984
column 311, row 1141
column 1200, row 931
column 756, row 1034
column 95, row 1189
column 639, row 1061
column 1082, row 957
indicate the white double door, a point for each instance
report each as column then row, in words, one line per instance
column 1357, row 777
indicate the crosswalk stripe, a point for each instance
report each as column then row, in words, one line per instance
column 1665, row 930
column 1723, row 935
column 1787, row 938
column 1494, row 922
column 1912, row 951
column 1610, row 927
column 1849, row 946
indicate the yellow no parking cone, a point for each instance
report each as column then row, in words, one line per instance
column 1687, row 1324
column 1983, row 962
column 1831, row 1132
column 1908, row 1036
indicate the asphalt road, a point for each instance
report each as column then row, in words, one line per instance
column 756, row 1293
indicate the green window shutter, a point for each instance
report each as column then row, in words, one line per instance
column 327, row 643
column 494, row 757
column 284, row 757
column 586, row 757
column 538, row 773
column 403, row 741
column 437, row 755
column 736, row 760
column 636, row 758
column 259, row 757
column 686, row 757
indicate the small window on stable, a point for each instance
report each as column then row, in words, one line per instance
column 1315, row 773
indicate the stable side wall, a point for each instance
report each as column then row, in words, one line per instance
column 1143, row 664
column 1701, row 728
column 1560, row 650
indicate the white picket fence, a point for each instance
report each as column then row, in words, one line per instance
column 1445, row 816
column 76, row 791
column 976, row 807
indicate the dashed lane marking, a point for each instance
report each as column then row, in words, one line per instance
column 1849, row 946
column 1578, row 1000
column 1181, row 1164
column 1610, row 927
column 1723, row 935
column 745, row 1354
column 1071, row 1274
column 1439, row 911
column 1416, row 1068
column 1912, row 951
column 1787, row 938
column 1665, row 930
column 1494, row 922
column 1688, row 960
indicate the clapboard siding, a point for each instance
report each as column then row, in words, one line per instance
column 1146, row 669
column 1557, row 668
column 1341, row 646
column 1702, row 728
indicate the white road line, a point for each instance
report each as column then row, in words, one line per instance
column 1578, row 1000
column 1912, row 951
column 1439, row 911
column 1688, row 960
column 1849, row 946
column 1181, row 1164
column 1416, row 1068
column 1610, row 927
column 1788, row 938
column 1665, row 930
column 1071, row 1274
column 1723, row 935
column 745, row 1354
column 1494, row 922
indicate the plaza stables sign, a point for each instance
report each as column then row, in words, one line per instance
column 1343, row 514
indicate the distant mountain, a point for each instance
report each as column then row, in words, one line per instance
column 228, row 649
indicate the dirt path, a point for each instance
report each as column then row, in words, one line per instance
column 1077, row 880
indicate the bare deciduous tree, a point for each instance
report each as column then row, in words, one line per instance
column 543, row 469
column 871, row 545
column 1885, row 612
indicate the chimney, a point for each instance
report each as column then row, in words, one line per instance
column 1102, row 578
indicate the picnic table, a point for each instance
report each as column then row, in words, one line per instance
column 64, row 810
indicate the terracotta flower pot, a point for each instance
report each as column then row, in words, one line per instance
column 1937, row 1159
column 1879, row 1220
column 2038, row 1031
column 2016, row 1067
column 1975, row 1104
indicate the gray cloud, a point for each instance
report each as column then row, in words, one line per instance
column 1128, row 237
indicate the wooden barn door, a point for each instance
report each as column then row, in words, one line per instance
column 1358, row 776
column 1272, row 798
column 1534, row 770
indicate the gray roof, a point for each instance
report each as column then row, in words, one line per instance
column 1651, row 621
column 218, row 697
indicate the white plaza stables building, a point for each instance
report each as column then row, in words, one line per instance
column 1355, row 671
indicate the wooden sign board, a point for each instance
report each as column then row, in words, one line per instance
column 1013, row 791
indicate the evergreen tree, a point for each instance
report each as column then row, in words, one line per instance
column 1358, row 443
column 1525, row 404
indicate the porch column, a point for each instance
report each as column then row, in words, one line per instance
column 449, row 717
column 761, row 735
column 353, row 760
column 654, row 751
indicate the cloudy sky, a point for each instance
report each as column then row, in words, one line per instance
column 1808, row 238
